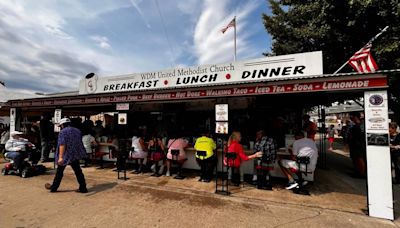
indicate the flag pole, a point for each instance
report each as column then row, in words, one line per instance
column 370, row 41
column 234, row 57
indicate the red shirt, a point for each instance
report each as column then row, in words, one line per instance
column 235, row 147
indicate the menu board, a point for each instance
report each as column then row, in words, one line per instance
column 12, row 119
column 221, row 112
column 57, row 118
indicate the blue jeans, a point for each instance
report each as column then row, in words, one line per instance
column 16, row 157
column 45, row 150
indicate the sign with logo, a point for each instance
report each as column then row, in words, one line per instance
column 283, row 67
column 122, row 118
column 221, row 112
column 379, row 173
column 376, row 118
column 13, row 116
column 123, row 107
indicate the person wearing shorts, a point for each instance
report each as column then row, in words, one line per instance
column 302, row 147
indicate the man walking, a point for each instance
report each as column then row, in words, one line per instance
column 69, row 151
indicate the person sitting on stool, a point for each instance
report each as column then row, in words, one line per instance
column 234, row 146
column 302, row 147
column 207, row 160
column 176, row 143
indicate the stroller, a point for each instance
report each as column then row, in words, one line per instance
column 28, row 167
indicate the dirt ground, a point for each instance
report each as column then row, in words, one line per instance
column 111, row 202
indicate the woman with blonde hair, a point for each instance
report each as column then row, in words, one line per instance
column 235, row 147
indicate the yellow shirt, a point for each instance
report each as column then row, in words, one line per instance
column 205, row 144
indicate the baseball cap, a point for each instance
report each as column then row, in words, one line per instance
column 64, row 120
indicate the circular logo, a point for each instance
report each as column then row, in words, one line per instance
column 228, row 76
column 166, row 82
column 376, row 99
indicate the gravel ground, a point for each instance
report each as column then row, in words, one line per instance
column 25, row 203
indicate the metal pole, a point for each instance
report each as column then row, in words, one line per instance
column 235, row 39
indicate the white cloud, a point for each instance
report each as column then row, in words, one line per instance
column 210, row 44
column 102, row 41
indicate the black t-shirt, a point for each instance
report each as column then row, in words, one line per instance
column 395, row 140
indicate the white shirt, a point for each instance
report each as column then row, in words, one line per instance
column 136, row 144
column 87, row 143
column 16, row 144
column 306, row 147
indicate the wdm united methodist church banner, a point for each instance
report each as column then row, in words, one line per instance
column 282, row 67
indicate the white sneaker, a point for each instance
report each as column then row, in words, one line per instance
column 292, row 185
column 168, row 174
column 153, row 167
column 161, row 170
column 254, row 178
column 304, row 183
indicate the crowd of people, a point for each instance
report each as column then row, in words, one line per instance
column 155, row 153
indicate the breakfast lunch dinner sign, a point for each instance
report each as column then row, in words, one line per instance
column 282, row 67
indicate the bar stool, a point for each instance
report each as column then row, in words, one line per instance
column 264, row 167
column 175, row 160
column 156, row 156
column 230, row 160
column 131, row 151
column 202, row 154
column 302, row 161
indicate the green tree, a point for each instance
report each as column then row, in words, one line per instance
column 339, row 28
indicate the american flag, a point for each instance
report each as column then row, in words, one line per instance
column 231, row 24
column 362, row 60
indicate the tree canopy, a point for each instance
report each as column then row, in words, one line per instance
column 339, row 28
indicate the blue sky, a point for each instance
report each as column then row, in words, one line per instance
column 48, row 45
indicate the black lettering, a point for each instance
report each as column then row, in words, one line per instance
column 105, row 88
column 204, row 78
column 245, row 74
column 213, row 78
column 286, row 70
column 263, row 73
column 275, row 72
column 186, row 80
column 195, row 79
column 130, row 85
column 112, row 87
column 254, row 74
column 178, row 82
column 136, row 85
column 123, row 86
column 155, row 83
column 141, row 85
column 117, row 86
column 299, row 69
